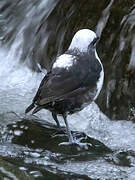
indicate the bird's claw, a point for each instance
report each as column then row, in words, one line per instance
column 77, row 143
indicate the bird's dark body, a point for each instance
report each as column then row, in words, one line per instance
column 74, row 81
column 67, row 90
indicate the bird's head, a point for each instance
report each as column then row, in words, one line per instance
column 83, row 40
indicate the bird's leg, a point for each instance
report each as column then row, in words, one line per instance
column 56, row 119
column 71, row 140
column 74, row 141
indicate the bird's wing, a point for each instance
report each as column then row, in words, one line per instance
column 64, row 82
column 37, row 96
column 58, row 85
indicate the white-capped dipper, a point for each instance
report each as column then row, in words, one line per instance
column 74, row 81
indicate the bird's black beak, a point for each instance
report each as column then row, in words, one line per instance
column 94, row 42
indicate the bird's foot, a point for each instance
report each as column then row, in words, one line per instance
column 77, row 143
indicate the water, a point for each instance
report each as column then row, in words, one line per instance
column 35, row 31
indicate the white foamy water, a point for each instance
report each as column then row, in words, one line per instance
column 18, row 83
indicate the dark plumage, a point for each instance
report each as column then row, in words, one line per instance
column 70, row 87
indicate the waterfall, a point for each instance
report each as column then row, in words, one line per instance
column 32, row 34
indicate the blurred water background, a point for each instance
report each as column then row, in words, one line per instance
column 32, row 34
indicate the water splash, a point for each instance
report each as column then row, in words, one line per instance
column 103, row 19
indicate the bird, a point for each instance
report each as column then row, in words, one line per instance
column 73, row 82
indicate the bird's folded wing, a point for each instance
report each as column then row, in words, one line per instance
column 62, row 83
column 58, row 85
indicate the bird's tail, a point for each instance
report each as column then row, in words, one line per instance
column 29, row 108
column 38, row 108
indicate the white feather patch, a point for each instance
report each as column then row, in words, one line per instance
column 64, row 61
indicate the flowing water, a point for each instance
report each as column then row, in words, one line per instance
column 32, row 33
